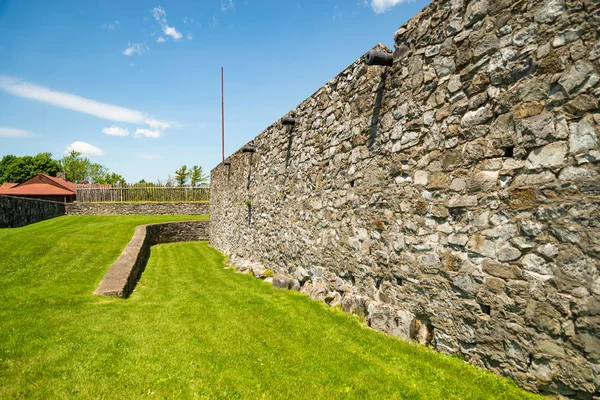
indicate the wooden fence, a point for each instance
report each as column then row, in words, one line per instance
column 138, row 193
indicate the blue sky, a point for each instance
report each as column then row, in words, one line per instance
column 135, row 84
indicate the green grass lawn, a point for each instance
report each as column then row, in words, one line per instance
column 191, row 329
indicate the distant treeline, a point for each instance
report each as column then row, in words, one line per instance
column 75, row 167
column 81, row 170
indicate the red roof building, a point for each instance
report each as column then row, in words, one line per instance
column 7, row 185
column 42, row 187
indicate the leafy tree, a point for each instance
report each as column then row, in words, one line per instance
column 43, row 163
column 79, row 169
column 197, row 177
column 111, row 179
column 144, row 184
column 8, row 170
column 97, row 173
column 19, row 169
column 75, row 166
column 181, row 175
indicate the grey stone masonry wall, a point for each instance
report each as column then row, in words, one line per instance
column 173, row 208
column 452, row 198
column 123, row 275
column 17, row 211
column 171, row 232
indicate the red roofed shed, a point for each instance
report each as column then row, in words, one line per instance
column 7, row 185
column 42, row 187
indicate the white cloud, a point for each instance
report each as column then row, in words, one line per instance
column 136, row 48
column 6, row 131
column 147, row 156
column 227, row 5
column 140, row 133
column 84, row 148
column 156, row 124
column 160, row 39
column 381, row 6
column 171, row 31
column 115, row 131
column 189, row 36
column 160, row 15
column 112, row 25
column 80, row 104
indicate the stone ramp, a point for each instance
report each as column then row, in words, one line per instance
column 123, row 275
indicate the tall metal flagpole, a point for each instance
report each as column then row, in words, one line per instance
column 222, row 114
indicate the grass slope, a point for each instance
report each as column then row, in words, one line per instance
column 191, row 329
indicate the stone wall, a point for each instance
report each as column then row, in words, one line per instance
column 173, row 208
column 453, row 198
column 18, row 211
column 171, row 232
column 123, row 275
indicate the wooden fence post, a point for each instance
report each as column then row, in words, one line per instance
column 87, row 193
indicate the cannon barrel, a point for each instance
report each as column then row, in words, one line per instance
column 227, row 163
column 288, row 121
column 375, row 57
column 248, row 149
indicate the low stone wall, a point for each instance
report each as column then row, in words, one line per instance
column 171, row 232
column 123, row 275
column 174, row 208
column 18, row 211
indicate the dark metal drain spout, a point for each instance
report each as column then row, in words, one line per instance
column 374, row 57
column 288, row 121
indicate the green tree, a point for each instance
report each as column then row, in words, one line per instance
column 44, row 164
column 197, row 177
column 7, row 169
column 76, row 167
column 181, row 175
column 143, row 183
column 79, row 169
column 19, row 169
column 97, row 173
column 111, row 178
